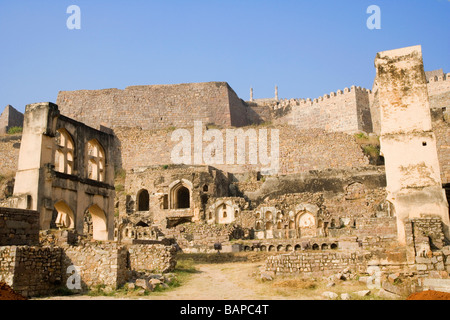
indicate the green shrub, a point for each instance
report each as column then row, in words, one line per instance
column 372, row 151
column 15, row 130
column 120, row 173
column 360, row 135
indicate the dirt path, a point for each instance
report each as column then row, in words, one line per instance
column 227, row 281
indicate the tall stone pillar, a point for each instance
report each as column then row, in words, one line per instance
column 33, row 177
column 251, row 94
column 408, row 143
column 276, row 93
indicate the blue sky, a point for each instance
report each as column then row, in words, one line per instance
column 307, row 48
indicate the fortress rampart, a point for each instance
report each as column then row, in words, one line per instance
column 439, row 91
column 155, row 106
column 345, row 110
column 299, row 151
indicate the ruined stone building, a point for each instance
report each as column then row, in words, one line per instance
column 361, row 174
column 10, row 118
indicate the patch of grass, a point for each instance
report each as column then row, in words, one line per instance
column 63, row 291
column 212, row 126
column 120, row 173
column 15, row 130
column 372, row 151
column 119, row 187
column 213, row 258
column 304, row 284
column 361, row 136
column 100, row 290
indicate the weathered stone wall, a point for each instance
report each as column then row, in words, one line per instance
column 99, row 264
column 193, row 238
column 442, row 131
column 31, row 271
column 426, row 246
column 7, row 264
column 9, row 154
column 320, row 262
column 153, row 258
column 40, row 270
column 299, row 151
column 433, row 265
column 439, row 91
column 258, row 113
column 280, row 189
column 18, row 227
column 37, row 271
column 341, row 111
column 156, row 106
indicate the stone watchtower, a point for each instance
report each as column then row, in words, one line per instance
column 408, row 143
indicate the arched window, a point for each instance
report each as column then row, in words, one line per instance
column 65, row 218
column 96, row 161
column 205, row 188
column 64, row 152
column 143, row 200
column 180, row 194
column 269, row 226
column 183, row 198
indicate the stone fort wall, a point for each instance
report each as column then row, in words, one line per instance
column 155, row 106
column 9, row 154
column 442, row 131
column 299, row 151
column 439, row 91
column 341, row 111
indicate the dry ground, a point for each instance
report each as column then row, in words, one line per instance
column 238, row 281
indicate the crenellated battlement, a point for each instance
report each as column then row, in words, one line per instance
column 283, row 103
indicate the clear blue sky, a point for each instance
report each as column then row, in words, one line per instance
column 307, row 48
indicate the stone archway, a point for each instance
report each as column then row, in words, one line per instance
column 143, row 200
column 180, row 194
column 95, row 223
